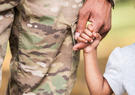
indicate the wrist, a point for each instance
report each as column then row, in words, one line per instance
column 89, row 50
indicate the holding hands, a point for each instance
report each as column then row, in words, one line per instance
column 99, row 13
column 89, row 38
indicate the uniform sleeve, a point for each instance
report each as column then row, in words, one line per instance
column 6, row 20
column 113, row 73
column 8, row 4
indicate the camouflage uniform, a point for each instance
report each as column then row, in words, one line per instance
column 40, row 35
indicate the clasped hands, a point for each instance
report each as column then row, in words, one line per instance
column 88, row 38
column 98, row 12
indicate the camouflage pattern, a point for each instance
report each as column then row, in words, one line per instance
column 41, row 40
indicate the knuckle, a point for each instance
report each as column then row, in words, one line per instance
column 107, row 28
column 82, row 13
column 87, row 38
column 85, row 31
column 80, row 39
column 100, row 22
column 90, row 39
column 81, row 35
column 79, row 28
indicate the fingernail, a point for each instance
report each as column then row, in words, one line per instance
column 86, row 41
column 91, row 41
column 94, row 34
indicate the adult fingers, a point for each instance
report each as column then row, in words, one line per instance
column 82, row 19
column 97, row 25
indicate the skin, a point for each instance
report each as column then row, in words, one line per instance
column 98, row 12
column 97, row 84
column 89, row 38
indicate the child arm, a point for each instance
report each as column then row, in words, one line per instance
column 97, row 84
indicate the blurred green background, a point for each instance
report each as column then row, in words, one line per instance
column 121, row 34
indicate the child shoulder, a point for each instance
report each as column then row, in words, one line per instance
column 127, row 50
column 120, row 67
column 124, row 53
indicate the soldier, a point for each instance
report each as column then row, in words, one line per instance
column 41, row 40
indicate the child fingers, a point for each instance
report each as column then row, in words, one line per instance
column 90, row 27
column 86, row 37
column 77, row 34
column 97, row 36
column 80, row 39
column 87, row 32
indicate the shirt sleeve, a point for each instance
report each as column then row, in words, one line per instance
column 113, row 72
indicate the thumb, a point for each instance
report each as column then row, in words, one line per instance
column 79, row 46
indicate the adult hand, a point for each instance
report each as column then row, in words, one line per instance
column 98, row 12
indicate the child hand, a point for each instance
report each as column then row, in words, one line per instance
column 93, row 45
column 85, row 38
